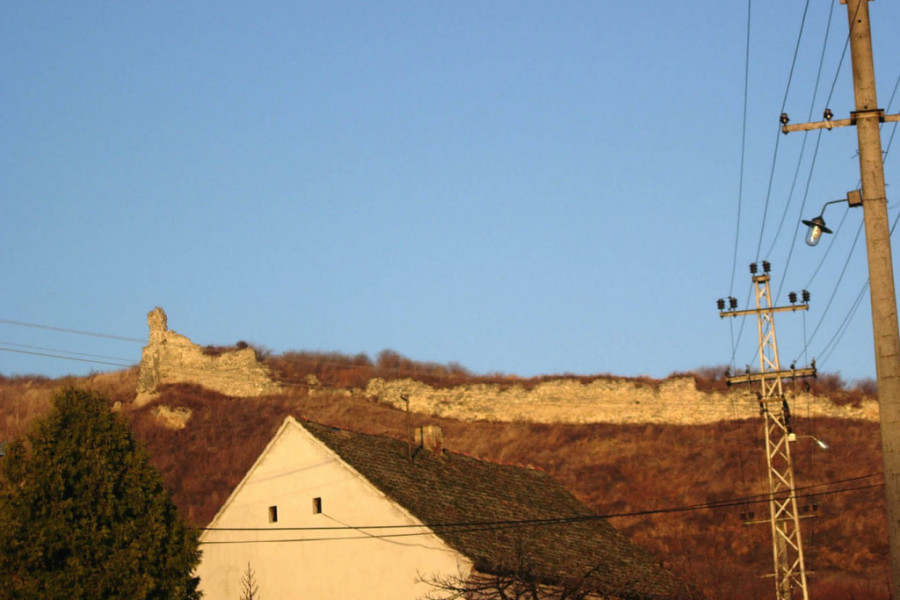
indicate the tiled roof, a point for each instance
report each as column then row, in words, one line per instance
column 458, row 489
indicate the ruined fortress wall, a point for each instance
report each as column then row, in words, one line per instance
column 675, row 401
column 170, row 357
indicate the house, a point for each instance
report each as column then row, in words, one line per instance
column 326, row 513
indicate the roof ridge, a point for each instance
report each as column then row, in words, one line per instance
column 434, row 490
column 494, row 461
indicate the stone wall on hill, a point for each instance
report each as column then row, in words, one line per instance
column 674, row 401
column 170, row 357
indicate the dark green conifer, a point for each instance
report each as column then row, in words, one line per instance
column 83, row 514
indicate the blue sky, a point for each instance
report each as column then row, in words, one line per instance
column 520, row 187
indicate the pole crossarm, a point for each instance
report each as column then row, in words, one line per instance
column 831, row 124
column 783, row 374
column 756, row 311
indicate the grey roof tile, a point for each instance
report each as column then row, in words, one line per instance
column 486, row 510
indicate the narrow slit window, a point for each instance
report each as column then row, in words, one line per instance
column 273, row 514
column 317, row 506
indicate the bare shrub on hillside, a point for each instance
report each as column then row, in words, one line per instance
column 22, row 399
column 638, row 468
column 261, row 352
column 829, row 383
column 203, row 462
column 516, row 578
column 867, row 387
column 615, row 469
column 833, row 589
column 631, row 470
column 392, row 365
column 833, row 387
column 335, row 370
column 330, row 369
column 118, row 386
column 708, row 379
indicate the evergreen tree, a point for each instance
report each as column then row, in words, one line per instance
column 83, row 514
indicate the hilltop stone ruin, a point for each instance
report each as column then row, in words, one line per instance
column 676, row 401
column 170, row 357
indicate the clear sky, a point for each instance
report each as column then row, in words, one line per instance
column 519, row 187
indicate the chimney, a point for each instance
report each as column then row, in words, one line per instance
column 431, row 438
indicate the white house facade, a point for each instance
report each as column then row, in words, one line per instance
column 309, row 526
column 328, row 514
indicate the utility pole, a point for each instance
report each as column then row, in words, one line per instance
column 867, row 117
column 405, row 398
column 787, row 545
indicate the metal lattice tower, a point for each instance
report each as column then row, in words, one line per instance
column 787, row 545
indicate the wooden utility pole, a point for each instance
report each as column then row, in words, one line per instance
column 868, row 117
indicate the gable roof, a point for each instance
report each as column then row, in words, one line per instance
column 493, row 513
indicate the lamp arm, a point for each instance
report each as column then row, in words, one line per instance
column 824, row 206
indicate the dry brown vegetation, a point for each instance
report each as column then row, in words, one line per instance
column 634, row 473
column 336, row 370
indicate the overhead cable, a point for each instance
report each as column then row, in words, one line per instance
column 469, row 527
column 87, row 360
column 58, row 351
column 737, row 233
column 778, row 137
column 75, row 331
column 809, row 117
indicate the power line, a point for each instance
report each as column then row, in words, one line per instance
column 75, row 331
column 831, row 345
column 894, row 128
column 802, row 150
column 737, row 234
column 837, row 71
column 836, row 288
column 736, row 342
column 65, row 351
column 743, row 153
column 842, row 328
column 778, row 137
column 474, row 526
column 87, row 360
column 787, row 261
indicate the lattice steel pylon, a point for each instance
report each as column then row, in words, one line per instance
column 787, row 545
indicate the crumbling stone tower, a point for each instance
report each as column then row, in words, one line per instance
column 170, row 357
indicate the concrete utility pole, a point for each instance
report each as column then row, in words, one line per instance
column 881, row 271
column 867, row 117
column 787, row 544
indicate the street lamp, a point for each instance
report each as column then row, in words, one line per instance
column 817, row 224
column 816, row 228
column 792, row 437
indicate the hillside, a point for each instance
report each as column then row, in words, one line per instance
column 637, row 470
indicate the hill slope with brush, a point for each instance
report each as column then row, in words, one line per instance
column 678, row 490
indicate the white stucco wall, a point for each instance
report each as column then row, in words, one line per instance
column 317, row 564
